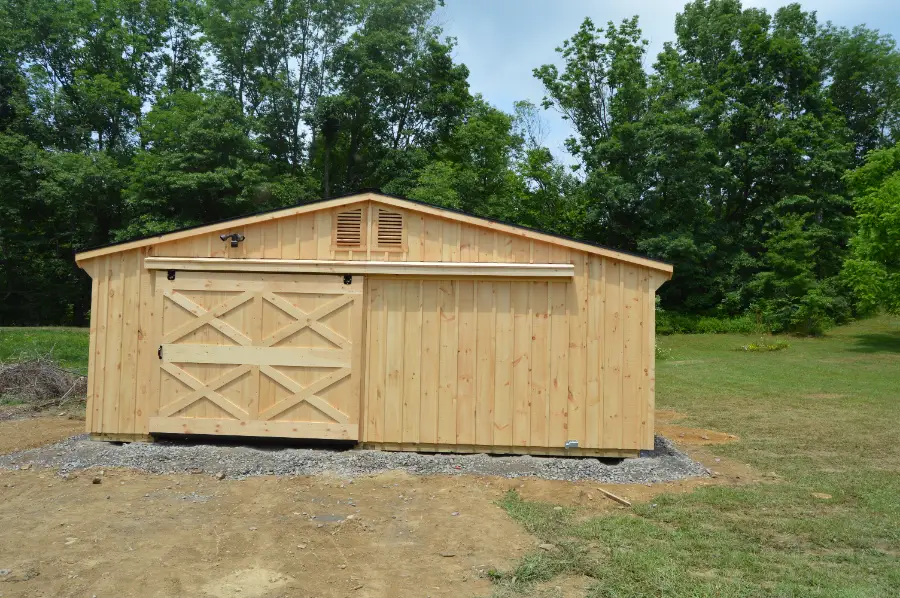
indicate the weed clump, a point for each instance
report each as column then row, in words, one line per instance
column 764, row 346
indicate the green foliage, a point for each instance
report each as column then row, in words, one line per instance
column 199, row 164
column 873, row 270
column 786, row 291
column 675, row 323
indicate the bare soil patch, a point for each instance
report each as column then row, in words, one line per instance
column 685, row 435
column 142, row 535
column 22, row 434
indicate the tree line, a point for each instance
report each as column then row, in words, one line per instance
column 738, row 153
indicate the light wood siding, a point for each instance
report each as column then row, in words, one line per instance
column 488, row 362
column 122, row 351
column 519, row 364
column 310, row 236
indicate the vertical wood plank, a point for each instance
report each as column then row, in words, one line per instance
column 468, row 250
column 504, row 248
column 558, row 403
column 254, row 244
column 257, row 333
column 130, row 330
column 631, row 358
column 521, row 250
column 272, row 239
column 156, row 335
column 146, row 350
column 613, row 341
column 377, row 317
column 394, row 352
column 203, row 245
column 432, row 248
column 559, row 364
column 447, row 394
column 357, row 324
column 450, row 241
column 323, row 234
column 289, row 236
column 485, row 243
column 307, row 234
column 485, row 351
column 217, row 247
column 431, row 361
column 595, row 325
column 466, row 365
column 578, row 334
column 93, row 268
column 370, row 211
column 503, row 388
column 540, row 366
column 363, row 381
column 540, row 252
column 113, row 365
column 412, row 361
column 415, row 236
column 521, row 308
column 648, row 404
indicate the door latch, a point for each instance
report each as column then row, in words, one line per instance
column 171, row 275
column 159, row 352
column 348, row 279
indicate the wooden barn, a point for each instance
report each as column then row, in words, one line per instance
column 378, row 320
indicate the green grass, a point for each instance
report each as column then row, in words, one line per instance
column 822, row 415
column 67, row 346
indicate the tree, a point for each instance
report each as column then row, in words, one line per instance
column 863, row 69
column 873, row 270
column 199, row 165
column 401, row 94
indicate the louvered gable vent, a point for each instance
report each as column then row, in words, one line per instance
column 390, row 229
column 349, row 230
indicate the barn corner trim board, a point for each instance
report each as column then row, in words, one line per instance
column 376, row 320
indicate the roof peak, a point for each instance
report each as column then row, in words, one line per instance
column 378, row 196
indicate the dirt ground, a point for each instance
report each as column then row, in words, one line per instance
column 21, row 434
column 136, row 534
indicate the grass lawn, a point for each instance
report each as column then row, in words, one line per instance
column 823, row 415
column 67, row 346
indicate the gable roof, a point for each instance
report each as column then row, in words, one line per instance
column 392, row 200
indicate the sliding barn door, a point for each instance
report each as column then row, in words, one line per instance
column 258, row 354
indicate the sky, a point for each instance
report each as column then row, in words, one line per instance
column 501, row 41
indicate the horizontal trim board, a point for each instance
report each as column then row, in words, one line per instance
column 501, row 450
column 274, row 429
column 233, row 284
column 444, row 269
column 250, row 355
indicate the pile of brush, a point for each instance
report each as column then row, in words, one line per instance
column 40, row 383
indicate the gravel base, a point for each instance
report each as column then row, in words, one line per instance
column 664, row 463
